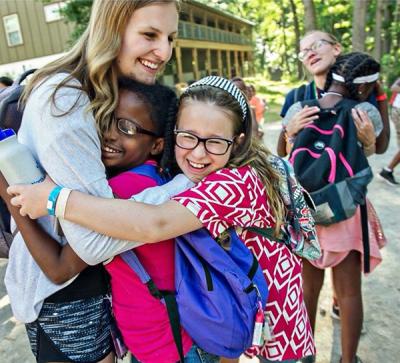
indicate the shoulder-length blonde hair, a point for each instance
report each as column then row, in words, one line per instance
column 92, row 59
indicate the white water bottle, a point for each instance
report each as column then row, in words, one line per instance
column 17, row 163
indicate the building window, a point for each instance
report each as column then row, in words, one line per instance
column 13, row 30
column 52, row 11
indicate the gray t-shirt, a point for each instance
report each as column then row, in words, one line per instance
column 370, row 109
column 68, row 148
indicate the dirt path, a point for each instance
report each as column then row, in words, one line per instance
column 381, row 290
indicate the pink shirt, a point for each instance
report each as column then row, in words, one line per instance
column 237, row 197
column 143, row 319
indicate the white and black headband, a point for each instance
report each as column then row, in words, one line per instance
column 226, row 85
column 358, row 80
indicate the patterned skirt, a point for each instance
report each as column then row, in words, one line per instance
column 77, row 331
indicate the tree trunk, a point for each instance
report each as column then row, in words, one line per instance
column 359, row 19
column 297, row 37
column 396, row 40
column 387, row 21
column 378, row 30
column 310, row 20
column 264, row 45
column 285, row 47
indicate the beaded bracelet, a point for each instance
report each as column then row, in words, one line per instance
column 52, row 200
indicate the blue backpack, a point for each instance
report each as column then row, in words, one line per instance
column 218, row 290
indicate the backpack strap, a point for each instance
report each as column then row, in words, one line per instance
column 299, row 93
column 6, row 239
column 253, row 268
column 347, row 104
column 133, row 262
column 25, row 74
column 365, row 236
column 305, row 92
column 4, row 229
column 310, row 103
column 149, row 171
column 292, row 209
column 12, row 94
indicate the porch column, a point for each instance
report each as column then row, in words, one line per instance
column 178, row 56
column 208, row 55
column 228, row 61
column 219, row 57
column 237, row 68
column 195, row 64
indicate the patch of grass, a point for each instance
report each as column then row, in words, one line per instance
column 274, row 93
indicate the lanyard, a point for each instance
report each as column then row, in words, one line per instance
column 314, row 90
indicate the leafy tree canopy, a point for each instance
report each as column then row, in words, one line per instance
column 275, row 34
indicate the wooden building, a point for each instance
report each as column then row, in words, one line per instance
column 209, row 41
column 31, row 29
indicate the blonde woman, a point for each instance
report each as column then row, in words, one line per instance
column 68, row 106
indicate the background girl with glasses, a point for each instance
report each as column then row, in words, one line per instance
column 238, row 188
column 315, row 47
column 318, row 52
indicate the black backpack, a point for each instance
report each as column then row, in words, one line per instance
column 330, row 164
column 10, row 118
column 10, row 112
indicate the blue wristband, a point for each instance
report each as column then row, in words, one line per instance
column 52, row 200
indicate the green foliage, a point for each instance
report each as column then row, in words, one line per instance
column 275, row 36
column 78, row 12
column 390, row 61
column 391, row 67
column 335, row 17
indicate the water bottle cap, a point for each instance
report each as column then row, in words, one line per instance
column 6, row 133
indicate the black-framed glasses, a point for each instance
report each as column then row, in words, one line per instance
column 315, row 46
column 131, row 128
column 213, row 145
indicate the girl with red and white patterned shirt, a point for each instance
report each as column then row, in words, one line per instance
column 236, row 186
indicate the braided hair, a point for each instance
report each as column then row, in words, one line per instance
column 350, row 66
column 162, row 103
column 168, row 163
